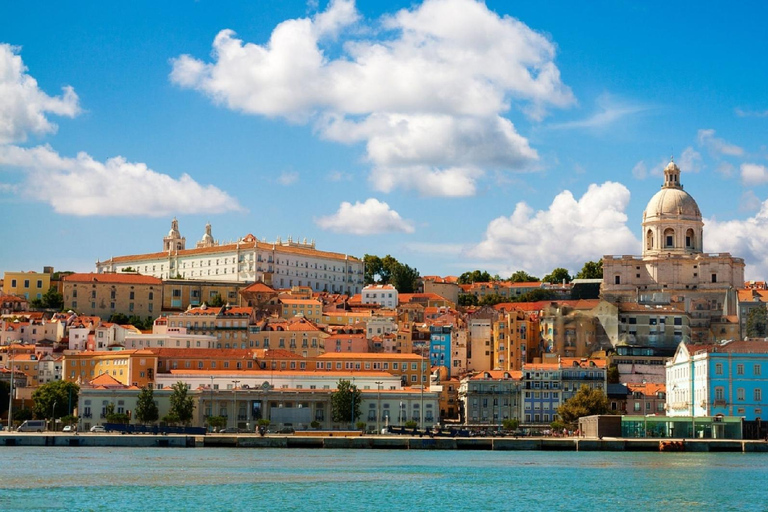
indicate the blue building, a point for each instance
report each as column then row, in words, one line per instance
column 729, row 379
column 440, row 346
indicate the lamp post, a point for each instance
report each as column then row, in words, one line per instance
column 10, row 400
column 378, row 406
column 493, row 408
column 352, row 412
column 234, row 403
column 421, row 411
column 53, row 417
column 210, row 413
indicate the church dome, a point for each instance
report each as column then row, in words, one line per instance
column 672, row 202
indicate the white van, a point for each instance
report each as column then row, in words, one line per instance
column 32, row 426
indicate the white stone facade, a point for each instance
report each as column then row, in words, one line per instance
column 385, row 295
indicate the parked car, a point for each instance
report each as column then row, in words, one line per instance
column 98, row 428
column 69, row 428
column 231, row 430
column 32, row 426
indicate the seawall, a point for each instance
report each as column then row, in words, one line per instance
column 382, row 442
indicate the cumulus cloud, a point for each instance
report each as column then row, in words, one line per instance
column 570, row 232
column 744, row 238
column 23, row 106
column 749, row 202
column 83, row 186
column 717, row 146
column 368, row 218
column 428, row 90
column 754, row 174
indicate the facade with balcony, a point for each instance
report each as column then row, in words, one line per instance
column 490, row 397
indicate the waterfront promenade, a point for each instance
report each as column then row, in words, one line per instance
column 338, row 440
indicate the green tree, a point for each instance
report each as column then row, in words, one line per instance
column 476, row 276
column 118, row 318
column 613, row 374
column 586, row 402
column 146, row 408
column 216, row 301
column 510, row 424
column 404, row 278
column 757, row 320
column 373, row 269
column 558, row 275
column 467, row 299
column 22, row 415
column 343, row 400
column 537, row 295
column 492, row 300
column 216, row 422
column 522, row 276
column 128, row 269
column 59, row 392
column 182, row 405
column 591, row 270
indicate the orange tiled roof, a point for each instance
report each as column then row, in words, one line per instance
column 367, row 355
column 116, row 278
column 647, row 389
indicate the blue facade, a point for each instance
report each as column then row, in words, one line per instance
column 738, row 385
column 440, row 346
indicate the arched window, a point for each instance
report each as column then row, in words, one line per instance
column 669, row 237
column 689, row 239
column 649, row 240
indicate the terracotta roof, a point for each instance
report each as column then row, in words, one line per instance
column 348, row 355
column 279, row 373
column 647, row 389
column 203, row 353
column 116, row 278
column 264, row 246
column 106, row 380
column 570, row 362
column 258, row 287
column 498, row 375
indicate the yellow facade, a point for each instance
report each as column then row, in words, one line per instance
column 129, row 367
column 515, row 338
column 30, row 285
column 308, row 308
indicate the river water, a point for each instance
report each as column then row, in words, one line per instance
column 221, row 479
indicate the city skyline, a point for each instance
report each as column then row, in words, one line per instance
column 451, row 134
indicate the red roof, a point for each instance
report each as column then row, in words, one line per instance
column 116, row 278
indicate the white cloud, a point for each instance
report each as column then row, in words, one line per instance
column 23, row 106
column 690, row 160
column 609, row 110
column 754, row 174
column 368, row 218
column 751, row 113
column 431, row 88
column 745, row 238
column 569, row 233
column 288, row 178
column 717, row 146
column 338, row 176
column 640, row 171
column 725, row 169
column 8, row 188
column 83, row 186
column 749, row 202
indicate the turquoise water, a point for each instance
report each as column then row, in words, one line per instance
column 223, row 479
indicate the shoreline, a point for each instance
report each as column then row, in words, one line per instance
column 380, row 442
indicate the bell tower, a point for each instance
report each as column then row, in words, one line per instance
column 174, row 241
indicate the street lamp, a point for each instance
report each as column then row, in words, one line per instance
column 53, row 417
column 493, row 408
column 378, row 406
column 421, row 413
column 352, row 413
column 234, row 403
column 210, row 413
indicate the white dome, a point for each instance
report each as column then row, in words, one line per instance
column 672, row 203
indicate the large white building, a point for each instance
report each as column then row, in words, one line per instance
column 281, row 264
column 385, row 295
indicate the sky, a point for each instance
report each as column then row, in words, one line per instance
column 452, row 134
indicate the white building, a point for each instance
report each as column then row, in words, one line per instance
column 279, row 264
column 385, row 295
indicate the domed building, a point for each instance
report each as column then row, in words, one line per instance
column 674, row 270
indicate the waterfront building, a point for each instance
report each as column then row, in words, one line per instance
column 281, row 264
column 729, row 379
column 128, row 367
column 410, row 368
column 489, row 398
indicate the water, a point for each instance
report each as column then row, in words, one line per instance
column 224, row 479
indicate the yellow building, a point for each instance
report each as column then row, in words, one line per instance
column 129, row 367
column 334, row 317
column 308, row 308
column 515, row 339
column 405, row 366
column 103, row 295
column 30, row 285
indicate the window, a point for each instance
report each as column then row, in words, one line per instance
column 719, row 369
column 719, row 393
column 617, row 280
column 756, row 369
column 740, row 394
column 669, row 238
column 714, row 278
column 739, row 369
column 758, row 394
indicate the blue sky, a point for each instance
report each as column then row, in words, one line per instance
column 451, row 134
